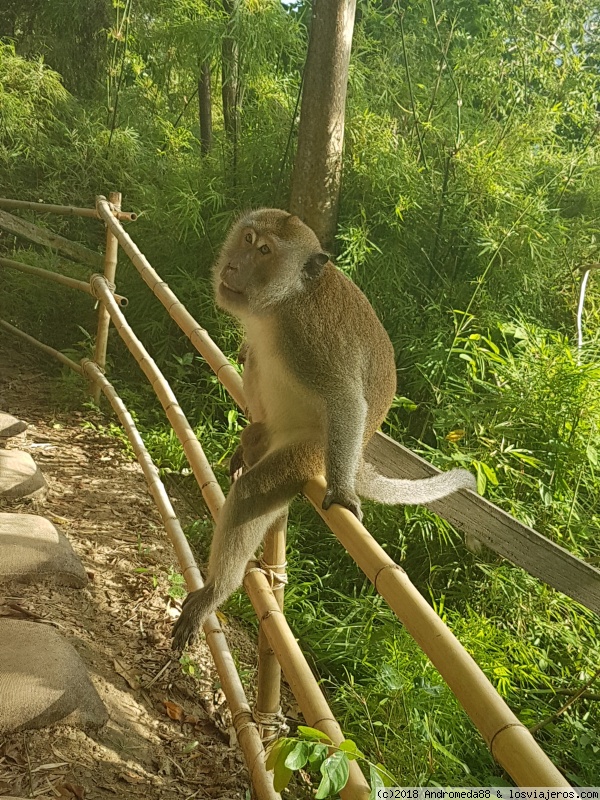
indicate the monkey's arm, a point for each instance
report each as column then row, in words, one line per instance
column 346, row 416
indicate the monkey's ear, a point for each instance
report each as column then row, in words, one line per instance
column 315, row 264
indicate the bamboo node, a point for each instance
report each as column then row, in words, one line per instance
column 271, row 725
column 387, row 566
column 501, row 730
column 223, row 367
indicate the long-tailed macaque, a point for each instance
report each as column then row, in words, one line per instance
column 319, row 378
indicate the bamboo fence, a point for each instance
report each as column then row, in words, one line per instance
column 509, row 741
column 68, row 211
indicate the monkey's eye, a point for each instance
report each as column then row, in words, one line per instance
column 249, row 238
column 264, row 250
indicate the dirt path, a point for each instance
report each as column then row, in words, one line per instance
column 170, row 734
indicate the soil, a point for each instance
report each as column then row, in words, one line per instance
column 170, row 733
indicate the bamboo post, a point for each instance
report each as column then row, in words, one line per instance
column 67, row 211
column 56, row 277
column 303, row 684
column 267, row 710
column 110, row 269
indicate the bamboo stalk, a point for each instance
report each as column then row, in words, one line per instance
column 267, row 711
column 56, row 277
column 33, row 233
column 111, row 254
column 246, row 730
column 510, row 742
column 45, row 347
column 66, row 211
column 298, row 674
column 218, row 362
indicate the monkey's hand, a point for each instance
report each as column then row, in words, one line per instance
column 196, row 607
column 346, row 498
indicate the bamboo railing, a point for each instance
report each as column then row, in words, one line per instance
column 509, row 741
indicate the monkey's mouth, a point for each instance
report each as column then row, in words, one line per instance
column 229, row 288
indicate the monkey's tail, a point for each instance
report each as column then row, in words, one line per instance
column 397, row 491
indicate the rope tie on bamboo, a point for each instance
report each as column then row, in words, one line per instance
column 97, row 278
column 274, row 573
column 271, row 725
column 239, row 725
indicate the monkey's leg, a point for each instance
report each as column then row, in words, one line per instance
column 253, row 446
column 255, row 501
column 345, row 428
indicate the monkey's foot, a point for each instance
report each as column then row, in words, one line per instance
column 236, row 464
column 343, row 498
column 196, row 607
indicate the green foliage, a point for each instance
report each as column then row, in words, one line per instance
column 314, row 750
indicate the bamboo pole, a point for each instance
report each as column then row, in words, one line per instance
column 303, row 684
column 66, row 211
column 45, row 347
column 246, row 730
column 200, row 339
column 267, row 710
column 194, row 453
column 33, row 233
column 511, row 744
column 111, row 254
column 56, row 277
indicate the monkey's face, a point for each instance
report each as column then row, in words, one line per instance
column 268, row 256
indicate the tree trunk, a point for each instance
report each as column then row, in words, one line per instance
column 205, row 107
column 317, row 171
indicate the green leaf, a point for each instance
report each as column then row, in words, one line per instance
column 273, row 752
column 592, row 455
column 281, row 777
column 490, row 474
column 375, row 780
column 318, row 755
column 335, row 771
column 349, row 747
column 313, row 734
column 276, row 758
column 386, row 776
column 481, row 478
column 298, row 757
